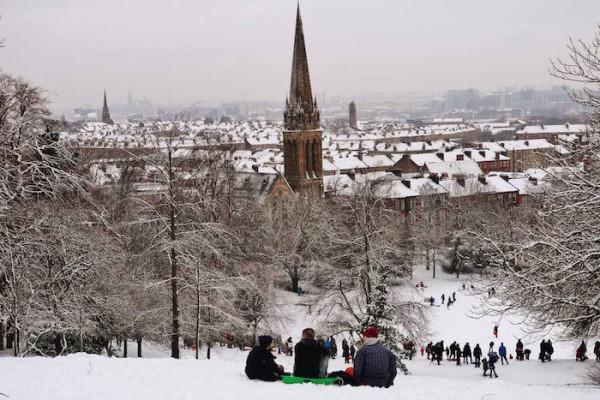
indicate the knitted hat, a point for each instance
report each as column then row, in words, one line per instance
column 350, row 371
column 371, row 332
column 265, row 341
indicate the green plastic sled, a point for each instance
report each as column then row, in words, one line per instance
column 317, row 381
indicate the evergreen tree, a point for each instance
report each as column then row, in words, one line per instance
column 380, row 313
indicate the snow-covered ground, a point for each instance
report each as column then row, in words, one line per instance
column 83, row 376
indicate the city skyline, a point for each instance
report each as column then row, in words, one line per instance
column 208, row 51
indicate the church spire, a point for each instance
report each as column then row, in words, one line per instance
column 105, row 111
column 301, row 111
column 300, row 90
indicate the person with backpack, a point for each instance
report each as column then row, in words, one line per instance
column 375, row 365
column 477, row 355
column 492, row 360
column 502, row 352
column 429, row 350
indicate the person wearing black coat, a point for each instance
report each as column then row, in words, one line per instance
column 345, row 351
column 519, row 350
column 597, row 350
column 467, row 354
column 543, row 351
column 439, row 352
column 477, row 355
column 260, row 363
column 309, row 355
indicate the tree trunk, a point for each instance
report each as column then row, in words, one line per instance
column 1, row 335
column 125, row 347
column 139, row 346
column 427, row 259
column 295, row 281
column 197, row 312
column 208, row 346
column 433, row 264
column 173, row 259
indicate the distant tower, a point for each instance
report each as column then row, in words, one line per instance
column 352, row 116
column 302, row 134
column 105, row 112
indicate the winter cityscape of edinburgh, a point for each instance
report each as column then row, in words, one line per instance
column 283, row 199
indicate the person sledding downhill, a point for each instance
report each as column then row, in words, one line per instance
column 374, row 365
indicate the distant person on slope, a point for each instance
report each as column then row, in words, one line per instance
column 580, row 355
column 467, row 354
column 549, row 350
column 477, row 355
column 492, row 360
column 345, row 351
column 260, row 363
column 324, row 362
column 597, row 350
column 308, row 355
column 502, row 352
column 519, row 350
column 374, row 365
column 333, row 350
column 543, row 351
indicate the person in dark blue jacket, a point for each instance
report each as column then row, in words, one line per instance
column 374, row 365
column 260, row 363
column 502, row 352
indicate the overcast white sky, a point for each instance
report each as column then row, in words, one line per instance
column 180, row 51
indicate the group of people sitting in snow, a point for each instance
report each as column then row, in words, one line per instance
column 374, row 364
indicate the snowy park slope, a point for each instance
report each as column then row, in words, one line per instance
column 463, row 323
column 82, row 376
column 90, row 377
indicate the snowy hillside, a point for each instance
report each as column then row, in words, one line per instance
column 95, row 377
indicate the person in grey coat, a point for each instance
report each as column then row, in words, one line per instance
column 374, row 364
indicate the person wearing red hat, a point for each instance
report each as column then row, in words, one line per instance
column 374, row 364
